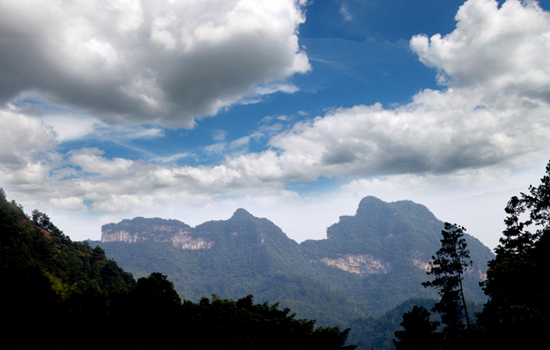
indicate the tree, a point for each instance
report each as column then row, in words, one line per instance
column 155, row 293
column 419, row 331
column 519, row 301
column 448, row 266
column 517, row 238
column 225, row 324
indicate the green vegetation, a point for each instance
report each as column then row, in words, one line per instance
column 448, row 266
column 67, row 295
column 37, row 246
column 419, row 331
column 393, row 242
column 250, row 256
column 516, row 315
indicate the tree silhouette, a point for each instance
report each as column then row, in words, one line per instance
column 419, row 331
column 448, row 266
column 516, row 313
column 155, row 293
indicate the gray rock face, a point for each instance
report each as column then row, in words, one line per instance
column 157, row 230
column 361, row 265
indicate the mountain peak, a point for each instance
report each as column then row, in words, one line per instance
column 369, row 201
column 242, row 214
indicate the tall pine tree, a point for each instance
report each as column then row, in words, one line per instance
column 448, row 266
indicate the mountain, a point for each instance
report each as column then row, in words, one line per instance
column 390, row 245
column 55, row 291
column 369, row 263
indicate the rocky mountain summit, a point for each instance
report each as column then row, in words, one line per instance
column 368, row 263
column 384, row 236
column 155, row 230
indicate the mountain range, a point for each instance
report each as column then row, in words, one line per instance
column 368, row 264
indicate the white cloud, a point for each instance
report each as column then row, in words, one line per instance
column 272, row 88
column 69, row 128
column 504, row 50
column 68, row 203
column 465, row 128
column 496, row 111
column 90, row 161
column 149, row 61
column 26, row 146
column 491, row 121
column 22, row 136
column 219, row 135
column 171, row 158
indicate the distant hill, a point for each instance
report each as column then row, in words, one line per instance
column 369, row 263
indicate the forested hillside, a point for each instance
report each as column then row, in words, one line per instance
column 250, row 256
column 67, row 295
column 369, row 263
column 31, row 246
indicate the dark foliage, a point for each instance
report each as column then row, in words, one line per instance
column 448, row 266
column 67, row 295
column 241, row 324
column 517, row 313
column 419, row 331
column 371, row 333
column 70, row 267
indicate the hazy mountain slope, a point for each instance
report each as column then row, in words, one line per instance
column 242, row 255
column 370, row 262
column 390, row 245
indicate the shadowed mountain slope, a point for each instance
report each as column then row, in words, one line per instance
column 390, row 245
column 369, row 263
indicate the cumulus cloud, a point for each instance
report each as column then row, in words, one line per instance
column 23, row 136
column 69, row 128
column 491, row 116
column 143, row 61
column 69, row 203
column 479, row 121
column 494, row 109
column 26, row 150
column 504, row 50
column 91, row 161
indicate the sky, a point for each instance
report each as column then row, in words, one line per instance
column 293, row 110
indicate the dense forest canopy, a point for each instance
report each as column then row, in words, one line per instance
column 59, row 290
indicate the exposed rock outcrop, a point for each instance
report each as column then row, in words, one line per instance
column 359, row 264
column 175, row 232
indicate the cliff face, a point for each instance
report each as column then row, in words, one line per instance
column 242, row 229
column 382, row 237
column 139, row 229
column 359, row 264
column 370, row 261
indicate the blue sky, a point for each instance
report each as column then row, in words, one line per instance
column 293, row 110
